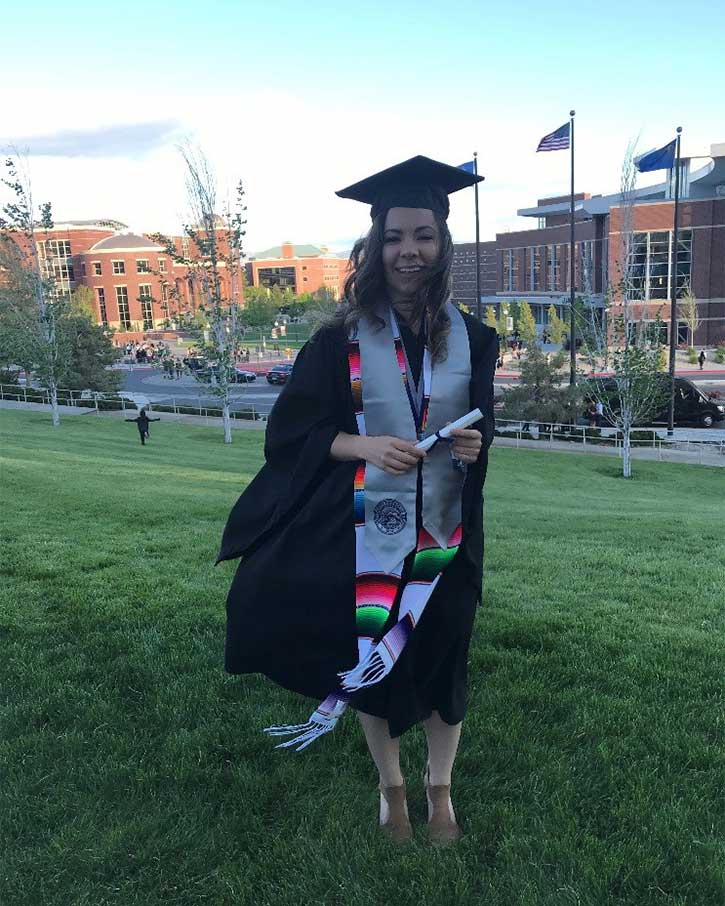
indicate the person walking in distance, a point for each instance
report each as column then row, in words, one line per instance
column 142, row 422
column 701, row 358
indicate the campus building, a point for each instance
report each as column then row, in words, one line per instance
column 300, row 269
column 463, row 272
column 137, row 284
column 533, row 265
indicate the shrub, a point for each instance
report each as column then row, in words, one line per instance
column 720, row 354
column 692, row 355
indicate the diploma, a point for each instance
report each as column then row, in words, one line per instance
column 463, row 422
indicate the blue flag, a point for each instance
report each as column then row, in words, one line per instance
column 661, row 159
column 469, row 167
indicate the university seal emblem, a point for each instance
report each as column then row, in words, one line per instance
column 389, row 516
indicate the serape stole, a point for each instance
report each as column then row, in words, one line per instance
column 376, row 590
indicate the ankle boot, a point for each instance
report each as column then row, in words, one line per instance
column 394, row 819
column 442, row 827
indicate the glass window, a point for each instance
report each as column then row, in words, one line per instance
column 101, row 293
column 552, row 267
column 124, row 316
column 651, row 264
column 144, row 297
column 97, row 269
column 142, row 266
column 162, row 265
column 119, row 267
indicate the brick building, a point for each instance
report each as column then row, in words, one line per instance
column 463, row 272
column 137, row 285
column 301, row 269
column 533, row 265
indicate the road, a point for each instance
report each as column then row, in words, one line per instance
column 157, row 389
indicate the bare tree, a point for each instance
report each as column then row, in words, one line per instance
column 624, row 342
column 213, row 262
column 688, row 311
column 33, row 298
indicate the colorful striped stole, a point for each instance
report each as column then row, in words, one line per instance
column 375, row 590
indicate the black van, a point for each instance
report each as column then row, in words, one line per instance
column 692, row 407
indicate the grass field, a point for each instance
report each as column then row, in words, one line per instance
column 133, row 771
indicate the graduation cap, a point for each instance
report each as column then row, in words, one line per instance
column 416, row 183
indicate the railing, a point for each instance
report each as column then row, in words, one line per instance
column 98, row 402
column 604, row 436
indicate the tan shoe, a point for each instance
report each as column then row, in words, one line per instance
column 394, row 819
column 442, row 826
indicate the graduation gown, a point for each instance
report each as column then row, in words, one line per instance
column 291, row 605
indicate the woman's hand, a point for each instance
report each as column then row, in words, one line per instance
column 466, row 444
column 391, row 454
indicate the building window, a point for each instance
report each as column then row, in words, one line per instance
column 162, row 265
column 144, row 297
column 552, row 267
column 185, row 246
column 101, row 293
column 97, row 269
column 538, row 255
column 164, row 292
column 651, row 264
column 142, row 266
column 514, row 269
column 124, row 316
column 508, row 273
column 119, row 267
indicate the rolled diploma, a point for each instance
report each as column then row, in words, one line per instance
column 463, row 422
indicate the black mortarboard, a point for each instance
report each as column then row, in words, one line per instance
column 416, row 183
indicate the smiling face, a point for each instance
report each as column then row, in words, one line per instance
column 411, row 245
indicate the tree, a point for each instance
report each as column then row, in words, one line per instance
column 557, row 328
column 33, row 302
column 688, row 312
column 515, row 313
column 259, row 311
column 539, row 396
column 527, row 324
column 491, row 319
column 90, row 349
column 215, row 245
column 503, row 316
column 624, row 343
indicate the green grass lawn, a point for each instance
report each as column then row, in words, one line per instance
column 134, row 771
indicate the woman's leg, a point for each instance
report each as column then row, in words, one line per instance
column 384, row 750
column 442, row 747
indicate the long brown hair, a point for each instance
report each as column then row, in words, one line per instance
column 365, row 286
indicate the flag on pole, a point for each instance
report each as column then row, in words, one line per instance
column 555, row 141
column 661, row 159
column 469, row 167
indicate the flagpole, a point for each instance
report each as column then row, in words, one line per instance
column 572, row 327
column 673, row 290
column 478, row 250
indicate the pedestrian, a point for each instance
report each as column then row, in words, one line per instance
column 599, row 413
column 701, row 358
column 338, row 564
column 591, row 413
column 178, row 370
column 142, row 422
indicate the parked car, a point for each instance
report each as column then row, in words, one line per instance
column 194, row 362
column 241, row 376
column 279, row 374
column 692, row 406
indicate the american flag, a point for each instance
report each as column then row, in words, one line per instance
column 555, row 141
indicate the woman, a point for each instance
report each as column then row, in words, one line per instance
column 362, row 554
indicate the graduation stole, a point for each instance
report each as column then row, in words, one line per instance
column 385, row 508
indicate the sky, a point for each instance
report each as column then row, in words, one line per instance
column 300, row 99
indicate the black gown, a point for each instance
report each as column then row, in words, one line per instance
column 291, row 605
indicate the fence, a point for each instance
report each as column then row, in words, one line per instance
column 611, row 437
column 87, row 399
